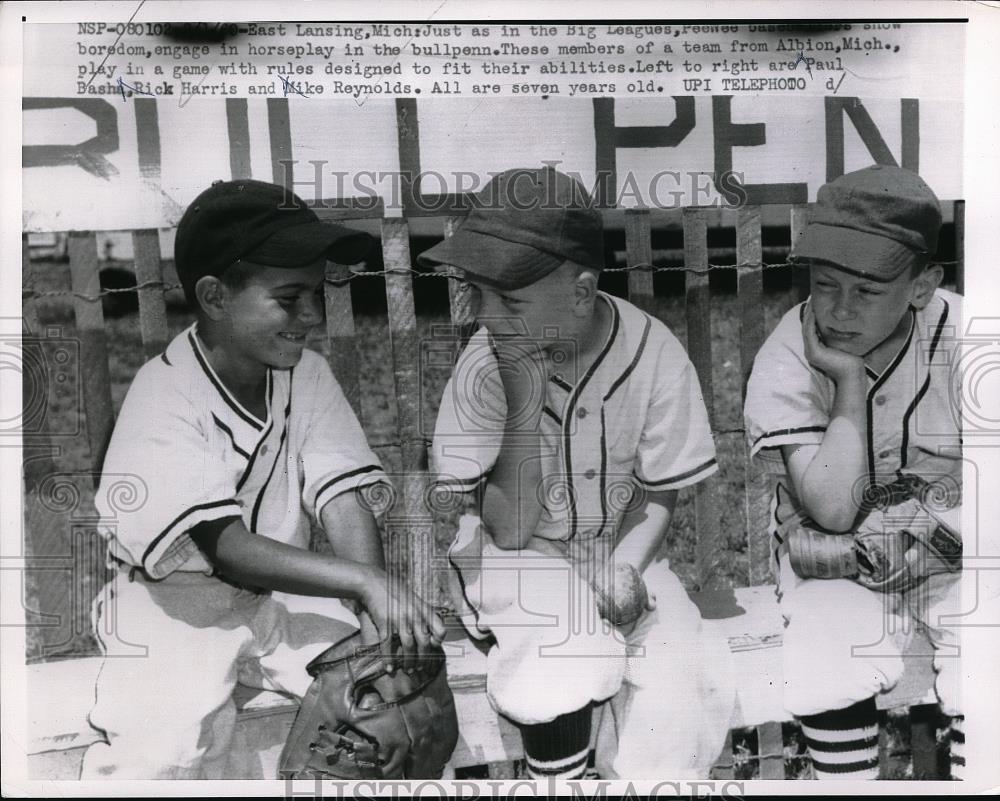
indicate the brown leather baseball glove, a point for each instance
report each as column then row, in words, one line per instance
column 357, row 721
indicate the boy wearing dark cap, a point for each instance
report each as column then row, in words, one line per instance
column 231, row 443
column 851, row 404
column 575, row 418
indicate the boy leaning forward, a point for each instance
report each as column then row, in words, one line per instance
column 575, row 418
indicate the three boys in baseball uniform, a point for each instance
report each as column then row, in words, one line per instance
column 852, row 406
column 575, row 418
column 236, row 440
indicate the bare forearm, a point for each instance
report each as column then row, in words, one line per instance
column 831, row 485
column 258, row 561
column 511, row 509
column 643, row 530
column 351, row 530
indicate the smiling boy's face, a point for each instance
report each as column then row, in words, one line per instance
column 856, row 315
column 268, row 315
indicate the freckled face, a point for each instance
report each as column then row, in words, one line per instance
column 856, row 315
column 269, row 317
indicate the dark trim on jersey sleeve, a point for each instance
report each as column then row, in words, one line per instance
column 679, row 480
column 923, row 388
column 232, row 439
column 223, row 392
column 230, row 507
column 785, row 432
column 369, row 468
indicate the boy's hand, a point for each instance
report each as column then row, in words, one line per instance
column 621, row 593
column 835, row 363
column 524, row 370
column 394, row 607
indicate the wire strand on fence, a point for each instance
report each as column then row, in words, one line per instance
column 652, row 268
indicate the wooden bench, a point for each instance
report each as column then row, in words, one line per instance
column 59, row 691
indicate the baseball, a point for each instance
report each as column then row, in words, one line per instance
column 626, row 597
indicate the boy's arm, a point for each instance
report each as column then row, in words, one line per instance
column 510, row 507
column 643, row 529
column 641, row 535
column 828, row 478
column 389, row 605
column 258, row 561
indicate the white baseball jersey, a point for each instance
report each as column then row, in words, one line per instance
column 195, row 454
column 913, row 420
column 635, row 418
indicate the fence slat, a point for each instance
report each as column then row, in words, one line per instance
column 749, row 290
column 342, row 345
column 94, row 372
column 459, row 293
column 152, row 306
column 960, row 247
column 771, row 749
column 47, row 613
column 414, row 523
column 799, row 219
column 697, row 303
column 697, row 310
column 639, row 256
column 36, row 441
column 923, row 741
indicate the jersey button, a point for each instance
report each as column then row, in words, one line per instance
column 263, row 450
column 581, row 412
column 880, row 400
column 884, row 454
column 590, row 473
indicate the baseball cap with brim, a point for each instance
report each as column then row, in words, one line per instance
column 523, row 225
column 299, row 245
column 857, row 252
column 875, row 222
column 491, row 260
column 257, row 222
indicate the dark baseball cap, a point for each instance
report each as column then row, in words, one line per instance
column 262, row 223
column 876, row 223
column 523, row 225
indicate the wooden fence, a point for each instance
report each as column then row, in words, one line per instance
column 417, row 544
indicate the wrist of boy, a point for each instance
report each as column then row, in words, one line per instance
column 367, row 579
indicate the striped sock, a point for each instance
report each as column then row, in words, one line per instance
column 957, row 748
column 843, row 743
column 559, row 748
